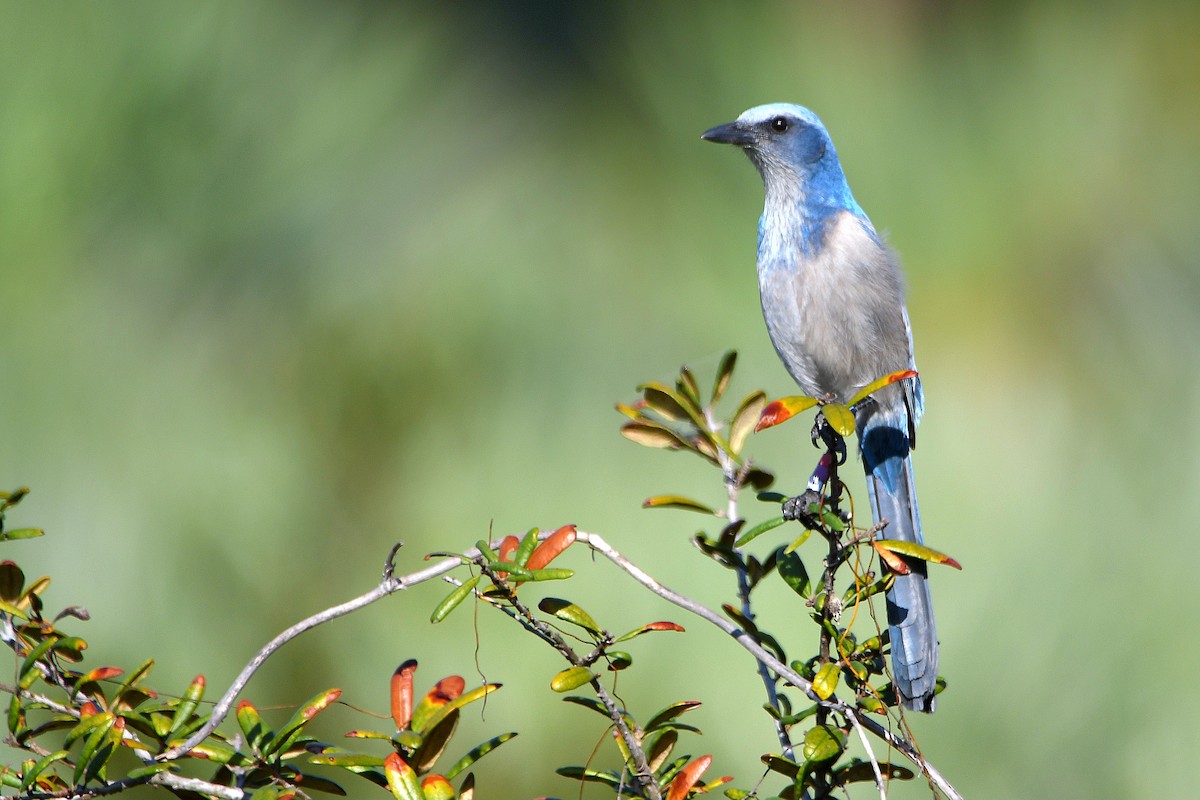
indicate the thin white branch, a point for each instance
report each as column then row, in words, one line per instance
column 866, row 743
column 388, row 585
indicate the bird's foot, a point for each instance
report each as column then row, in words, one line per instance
column 804, row 508
column 823, row 435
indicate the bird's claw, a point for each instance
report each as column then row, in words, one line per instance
column 823, row 435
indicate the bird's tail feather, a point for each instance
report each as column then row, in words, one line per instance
column 909, row 607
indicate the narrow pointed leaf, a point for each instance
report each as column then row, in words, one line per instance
column 862, row 771
column 133, row 680
column 649, row 628
column 724, row 373
column 551, row 574
column 452, row 600
column 687, row 778
column 478, row 752
column 652, row 434
column 256, row 731
column 745, row 419
column 37, row 769
column 191, row 698
column 294, row 727
column 23, row 533
column 661, row 747
column 758, row 530
column 569, row 612
column 914, row 550
column 591, row 775
column 587, row 702
column 876, row 385
column 782, row 410
column 840, row 418
column 688, row 387
column 671, row 712
column 525, row 549
column 628, row 410
column 508, row 546
column 460, row 701
column 668, row 404
column 434, row 742
column 571, row 678
column 794, row 574
column 446, row 691
column 552, row 548
column 36, row 654
column 676, row 501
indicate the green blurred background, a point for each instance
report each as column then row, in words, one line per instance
column 286, row 282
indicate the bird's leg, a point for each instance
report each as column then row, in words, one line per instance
column 833, row 442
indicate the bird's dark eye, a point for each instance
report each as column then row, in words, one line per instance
column 780, row 124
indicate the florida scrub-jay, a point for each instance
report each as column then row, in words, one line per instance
column 833, row 301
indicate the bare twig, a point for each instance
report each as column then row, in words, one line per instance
column 389, row 584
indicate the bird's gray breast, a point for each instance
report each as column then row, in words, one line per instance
column 836, row 318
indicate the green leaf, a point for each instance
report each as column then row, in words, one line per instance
column 37, row 769
column 668, row 404
column 478, row 752
column 618, row 660
column 86, row 726
column 823, row 743
column 652, row 434
column 759, row 530
column 688, row 387
column 455, row 704
column 96, row 750
column 660, row 748
column 794, row 574
column 595, row 776
column 676, row 501
column 724, row 373
column 510, row 569
column 453, row 599
column 37, row 653
column 402, row 779
column 291, row 731
column 526, row 547
column 132, row 681
column 569, row 612
column 669, row 713
column 23, row 533
column 436, row 787
column 745, row 419
column 551, row 574
column 187, row 704
column 571, row 678
column 587, row 702
column 826, row 681
column 345, row 760
column 256, row 731
column 840, row 418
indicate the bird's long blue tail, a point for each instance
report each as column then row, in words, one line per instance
column 886, row 445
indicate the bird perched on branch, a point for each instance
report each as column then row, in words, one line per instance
column 833, row 301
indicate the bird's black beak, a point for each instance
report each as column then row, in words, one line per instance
column 729, row 133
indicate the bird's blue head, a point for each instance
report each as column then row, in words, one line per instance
column 799, row 166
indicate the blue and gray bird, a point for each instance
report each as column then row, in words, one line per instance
column 833, row 300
